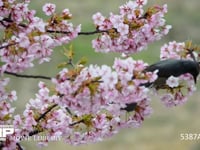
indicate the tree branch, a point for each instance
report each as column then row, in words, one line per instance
column 8, row 20
column 41, row 117
column 34, row 132
column 46, row 112
column 80, row 33
column 39, row 77
column 75, row 123
column 19, row 146
column 5, row 46
column 92, row 32
column 28, row 76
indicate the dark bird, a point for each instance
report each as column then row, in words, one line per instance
column 172, row 67
column 130, row 107
column 167, row 68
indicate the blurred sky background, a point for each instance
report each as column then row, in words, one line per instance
column 161, row 131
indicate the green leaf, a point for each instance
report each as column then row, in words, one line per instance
column 6, row 117
column 62, row 65
column 87, row 119
column 93, row 86
column 83, row 61
column 69, row 53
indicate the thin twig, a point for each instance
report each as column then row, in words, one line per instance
column 39, row 77
column 38, row 131
column 92, row 32
column 11, row 21
column 19, row 146
column 5, row 46
column 46, row 112
column 80, row 33
column 41, row 117
column 34, row 132
column 75, row 123
column 68, row 110
column 3, row 24
column 28, row 76
column 56, row 31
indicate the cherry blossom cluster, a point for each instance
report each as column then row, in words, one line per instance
column 6, row 98
column 28, row 37
column 99, row 95
column 132, row 29
column 174, row 50
column 6, row 109
column 90, row 103
column 29, row 121
column 177, row 90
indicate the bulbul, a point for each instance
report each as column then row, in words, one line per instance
column 167, row 68
column 172, row 67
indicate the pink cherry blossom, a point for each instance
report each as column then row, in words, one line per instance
column 32, row 42
column 11, row 1
column 180, row 95
column 167, row 99
column 177, row 50
column 105, row 98
column 130, row 32
column 66, row 12
column 37, row 23
column 141, row 2
column 49, row 8
column 116, row 20
column 24, row 41
column 172, row 81
column 128, row 7
column 98, row 19
column 17, row 121
column 123, row 29
column 1, row 3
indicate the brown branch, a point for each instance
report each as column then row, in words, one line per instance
column 19, row 146
column 8, row 20
column 75, row 123
column 38, row 131
column 28, row 76
column 3, row 24
column 39, row 77
column 56, row 31
column 34, row 132
column 6, row 46
column 45, row 113
column 80, row 33
column 92, row 32
column 41, row 117
column 11, row 21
